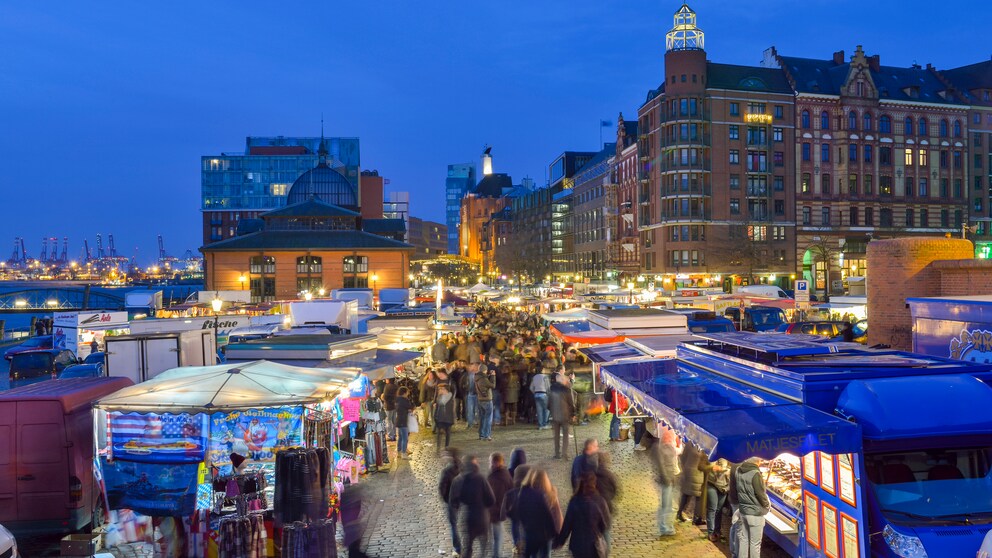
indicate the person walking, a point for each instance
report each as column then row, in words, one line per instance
column 510, row 508
column 562, row 408
column 752, row 506
column 448, row 476
column 717, row 485
column 444, row 416
column 473, row 497
column 439, row 352
column 540, row 385
column 512, row 395
column 518, row 457
column 587, row 520
column 585, row 462
column 668, row 476
column 691, row 483
column 539, row 513
column 351, row 520
column 485, row 381
column 471, row 395
column 501, row 483
column 617, row 406
column 403, row 410
column 389, row 392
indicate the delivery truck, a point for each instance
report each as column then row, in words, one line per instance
column 46, row 462
column 142, row 357
column 863, row 452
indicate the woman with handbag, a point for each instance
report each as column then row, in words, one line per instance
column 587, row 519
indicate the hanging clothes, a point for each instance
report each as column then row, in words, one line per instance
column 315, row 539
column 242, row 537
column 301, row 491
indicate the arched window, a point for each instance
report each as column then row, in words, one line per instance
column 885, row 124
column 824, row 120
column 943, row 128
column 924, row 131
column 852, row 120
column 805, row 119
column 908, row 126
column 957, row 128
column 867, row 122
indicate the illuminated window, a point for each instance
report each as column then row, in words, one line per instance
column 806, row 183
column 278, row 189
column 908, row 158
column 923, row 157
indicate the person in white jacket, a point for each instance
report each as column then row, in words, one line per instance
column 668, row 479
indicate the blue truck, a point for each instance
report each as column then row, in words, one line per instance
column 865, row 452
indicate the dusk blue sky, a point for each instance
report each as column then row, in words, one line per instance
column 106, row 107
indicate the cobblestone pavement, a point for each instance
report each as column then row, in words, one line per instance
column 406, row 517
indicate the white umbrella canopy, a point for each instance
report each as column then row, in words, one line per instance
column 227, row 387
column 479, row 287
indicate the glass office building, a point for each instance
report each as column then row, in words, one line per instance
column 461, row 179
column 236, row 186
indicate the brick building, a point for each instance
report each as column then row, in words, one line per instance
column 478, row 206
column 881, row 154
column 429, row 239
column 591, row 201
column 528, row 249
column 717, row 168
column 623, row 253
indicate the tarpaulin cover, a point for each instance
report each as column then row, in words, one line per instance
column 727, row 419
column 159, row 438
column 255, row 433
column 570, row 315
column 567, row 328
column 381, row 367
column 157, row 490
column 610, row 352
column 593, row 337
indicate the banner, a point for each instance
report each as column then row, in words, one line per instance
column 151, row 489
column 158, row 438
column 351, row 408
column 256, row 433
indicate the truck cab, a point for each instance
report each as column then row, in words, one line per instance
column 755, row 318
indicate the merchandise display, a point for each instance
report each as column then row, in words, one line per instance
column 783, row 479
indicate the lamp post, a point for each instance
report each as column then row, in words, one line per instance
column 630, row 288
column 308, row 296
column 375, row 279
column 242, row 279
column 216, row 304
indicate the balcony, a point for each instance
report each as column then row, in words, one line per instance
column 678, row 166
column 758, row 169
column 758, row 191
column 668, row 217
column 694, row 191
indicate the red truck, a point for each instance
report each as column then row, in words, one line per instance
column 46, row 454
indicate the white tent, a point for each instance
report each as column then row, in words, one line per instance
column 479, row 288
column 570, row 315
column 227, row 387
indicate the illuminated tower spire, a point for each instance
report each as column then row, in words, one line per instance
column 684, row 35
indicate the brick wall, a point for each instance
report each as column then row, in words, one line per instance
column 901, row 268
column 964, row 277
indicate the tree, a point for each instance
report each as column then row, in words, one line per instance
column 823, row 252
column 746, row 249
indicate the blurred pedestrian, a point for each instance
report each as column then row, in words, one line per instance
column 518, row 457
column 562, row 408
column 510, row 506
column 539, row 513
column 351, row 520
column 403, row 409
column 691, row 484
column 444, row 416
column 585, row 462
column 717, row 485
column 473, row 498
column 668, row 472
column 448, row 475
column 501, row 483
column 540, row 385
column 752, row 507
column 587, row 520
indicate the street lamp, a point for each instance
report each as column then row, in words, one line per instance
column 630, row 287
column 308, row 296
column 216, row 304
column 242, row 279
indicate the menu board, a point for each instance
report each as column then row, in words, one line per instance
column 849, row 531
column 811, row 510
column 845, row 479
column 830, row 544
column 809, row 467
column 827, row 473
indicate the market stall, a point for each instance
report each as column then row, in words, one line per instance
column 216, row 451
column 76, row 330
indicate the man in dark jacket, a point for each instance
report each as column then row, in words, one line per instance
column 448, row 476
column 562, row 408
column 403, row 408
column 444, row 415
column 389, row 404
column 534, row 514
column 587, row 521
column 747, row 489
column 473, row 497
column 500, row 481
column 585, row 462
column 485, row 382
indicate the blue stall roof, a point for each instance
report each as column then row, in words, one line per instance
column 377, row 368
column 976, row 308
column 566, row 328
column 726, row 418
column 610, row 352
column 893, row 408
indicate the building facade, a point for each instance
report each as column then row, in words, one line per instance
column 235, row 186
column 478, row 206
column 560, row 174
column 429, row 239
column 592, row 201
column 716, row 200
column 396, row 205
column 460, row 181
column 623, row 258
column 882, row 153
column 528, row 249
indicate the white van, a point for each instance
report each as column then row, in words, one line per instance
column 770, row 291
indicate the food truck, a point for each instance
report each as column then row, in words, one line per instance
column 76, row 330
column 864, row 452
column 957, row 327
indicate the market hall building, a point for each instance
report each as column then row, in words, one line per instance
column 318, row 241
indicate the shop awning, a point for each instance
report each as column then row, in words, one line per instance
column 727, row 419
column 381, row 367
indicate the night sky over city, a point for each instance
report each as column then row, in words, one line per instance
column 107, row 107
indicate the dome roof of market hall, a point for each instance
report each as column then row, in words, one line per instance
column 325, row 183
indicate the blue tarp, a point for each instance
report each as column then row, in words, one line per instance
column 610, row 352
column 728, row 419
column 566, row 328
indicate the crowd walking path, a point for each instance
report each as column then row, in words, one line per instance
column 407, row 518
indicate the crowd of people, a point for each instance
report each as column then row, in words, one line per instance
column 505, row 369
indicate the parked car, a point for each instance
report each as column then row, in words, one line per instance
column 32, row 344
column 83, row 371
column 828, row 329
column 39, row 365
column 8, row 545
column 705, row 321
column 755, row 318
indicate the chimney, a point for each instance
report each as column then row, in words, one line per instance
column 487, row 161
column 839, row 57
column 874, row 63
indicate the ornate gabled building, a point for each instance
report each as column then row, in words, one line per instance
column 623, row 253
column 881, row 153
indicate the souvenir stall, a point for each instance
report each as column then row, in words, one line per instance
column 235, row 459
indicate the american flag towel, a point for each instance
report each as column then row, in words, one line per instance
column 158, row 438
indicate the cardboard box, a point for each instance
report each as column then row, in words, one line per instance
column 81, row 545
